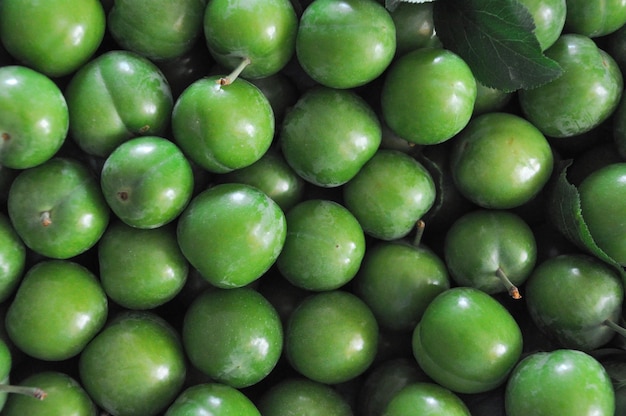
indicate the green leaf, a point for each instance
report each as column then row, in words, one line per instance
column 496, row 38
column 565, row 212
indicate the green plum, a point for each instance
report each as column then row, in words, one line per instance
column 500, row 161
column 398, row 280
column 559, row 382
column 549, row 18
column 141, row 268
column 232, row 234
column 54, row 37
column 428, row 95
column 58, row 308
column 12, row 258
column 223, row 127
column 158, row 29
column 34, row 118
column 492, row 250
column 262, row 31
column 417, row 399
column 64, row 396
column 595, row 18
column 585, row 95
column 114, row 97
column 390, row 194
column 214, row 399
column 602, row 207
column 303, row 397
column 414, row 27
column 147, row 181
column 281, row 92
column 57, row 208
column 331, row 337
column 272, row 175
column 324, row 246
column 328, row 135
column 570, row 297
column 345, row 43
column 135, row 366
column 384, row 381
column 234, row 336
column 467, row 341
column 490, row 100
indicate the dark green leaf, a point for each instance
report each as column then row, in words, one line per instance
column 496, row 38
column 565, row 212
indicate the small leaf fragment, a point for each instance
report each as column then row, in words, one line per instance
column 564, row 209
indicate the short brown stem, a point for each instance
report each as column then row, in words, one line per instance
column 510, row 287
column 35, row 392
column 45, row 218
column 122, row 195
column 230, row 78
column 420, row 225
column 5, row 136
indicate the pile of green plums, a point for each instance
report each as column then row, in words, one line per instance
column 306, row 207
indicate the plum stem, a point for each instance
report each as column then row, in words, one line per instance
column 45, row 218
column 419, row 232
column 35, row 392
column 510, row 287
column 230, row 78
column 615, row 327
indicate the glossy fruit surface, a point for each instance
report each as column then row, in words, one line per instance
column 500, row 243
column 428, row 95
column 213, row 399
column 57, row 208
column 324, row 246
column 601, row 201
column 263, row 31
column 425, row 399
column 223, row 127
column 114, row 97
column 328, row 135
column 549, row 17
column 398, row 280
column 147, row 181
column 64, row 396
column 34, row 118
column 54, row 37
column 384, row 381
column 389, row 194
column 301, row 396
column 272, row 175
column 12, row 258
column 559, row 382
column 232, row 233
column 414, row 27
column 58, row 308
column 229, row 345
column 583, row 97
column 500, row 161
column 467, row 341
column 156, row 29
column 595, row 19
column 570, row 296
column 345, row 43
column 141, row 268
column 331, row 337
column 134, row 366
